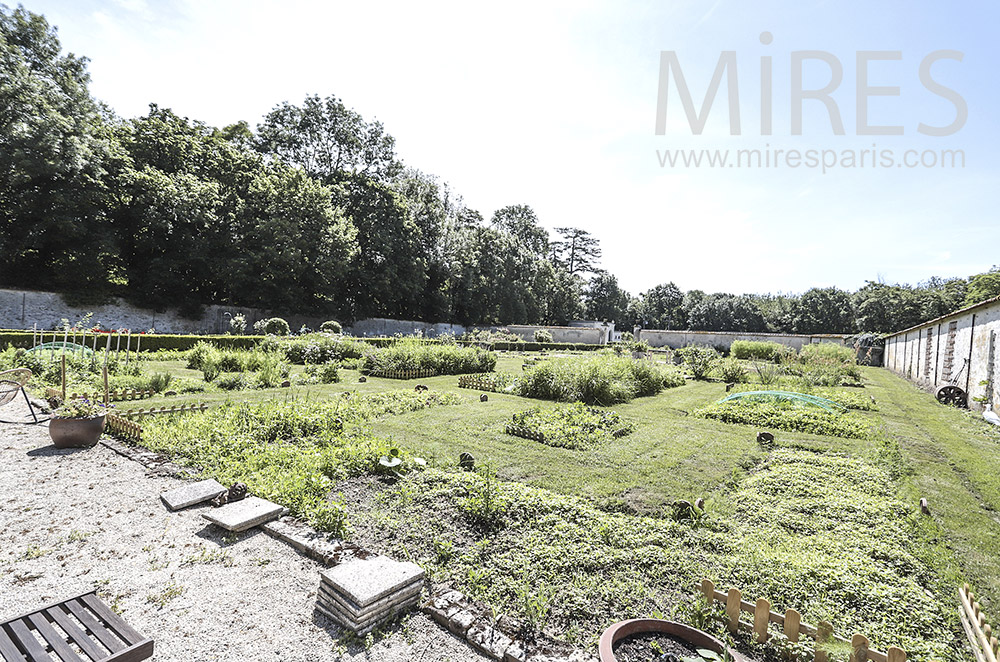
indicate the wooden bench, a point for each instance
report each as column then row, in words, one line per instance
column 80, row 629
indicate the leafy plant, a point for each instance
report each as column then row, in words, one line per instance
column 759, row 350
column 600, row 379
column 442, row 359
column 331, row 326
column 543, row 335
column 731, row 370
column 699, row 360
column 783, row 415
column 571, row 426
column 80, row 408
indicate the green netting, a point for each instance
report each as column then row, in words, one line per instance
column 68, row 347
column 828, row 405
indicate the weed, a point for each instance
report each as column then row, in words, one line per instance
column 169, row 592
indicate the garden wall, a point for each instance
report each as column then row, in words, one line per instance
column 382, row 327
column 960, row 347
column 563, row 334
column 675, row 339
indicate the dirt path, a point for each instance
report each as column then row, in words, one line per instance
column 74, row 520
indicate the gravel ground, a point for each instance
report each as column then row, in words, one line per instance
column 75, row 520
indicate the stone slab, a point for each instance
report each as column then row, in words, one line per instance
column 364, row 582
column 366, row 626
column 489, row 640
column 192, row 493
column 244, row 514
column 326, row 594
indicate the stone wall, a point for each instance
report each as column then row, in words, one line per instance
column 675, row 339
column 380, row 326
column 566, row 334
column 959, row 348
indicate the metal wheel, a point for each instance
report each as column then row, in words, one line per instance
column 952, row 395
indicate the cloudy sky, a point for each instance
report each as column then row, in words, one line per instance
column 554, row 105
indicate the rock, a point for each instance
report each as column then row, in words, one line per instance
column 362, row 379
column 924, row 507
column 170, row 393
column 514, row 653
column 699, row 503
column 467, row 461
column 460, row 621
column 192, row 493
column 419, row 388
column 244, row 514
column 285, row 384
column 484, row 398
column 489, row 640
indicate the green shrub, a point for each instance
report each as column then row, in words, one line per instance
column 543, row 336
column 571, row 426
column 491, row 336
column 316, row 348
column 160, row 381
column 234, row 381
column 699, row 360
column 416, row 354
column 783, row 415
column 274, row 326
column 325, row 373
column 758, row 350
column 731, row 370
column 827, row 353
column 331, row 326
column 601, row 379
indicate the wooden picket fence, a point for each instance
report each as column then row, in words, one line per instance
column 182, row 409
column 526, row 433
column 984, row 645
column 404, row 374
column 480, row 382
column 116, row 396
column 120, row 426
column 793, row 627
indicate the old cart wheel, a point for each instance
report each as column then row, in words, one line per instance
column 952, row 395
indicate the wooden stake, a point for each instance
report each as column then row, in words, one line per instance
column 733, row 609
column 64, row 377
column 761, row 617
column 105, row 371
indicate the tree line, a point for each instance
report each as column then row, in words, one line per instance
column 312, row 211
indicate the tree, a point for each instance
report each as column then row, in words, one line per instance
column 726, row 312
column 824, row 310
column 662, row 308
column 604, row 300
column 578, row 252
column 328, row 139
column 521, row 222
column 983, row 287
column 53, row 151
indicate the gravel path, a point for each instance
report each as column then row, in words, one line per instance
column 74, row 520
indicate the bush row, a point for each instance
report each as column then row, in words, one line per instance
column 443, row 359
column 602, row 379
column 780, row 415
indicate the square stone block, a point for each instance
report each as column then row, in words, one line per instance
column 245, row 514
column 365, row 626
column 365, row 581
column 192, row 493
column 329, row 596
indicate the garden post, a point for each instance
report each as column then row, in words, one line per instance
column 761, row 617
column 733, row 609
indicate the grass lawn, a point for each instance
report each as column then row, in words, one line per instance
column 570, row 540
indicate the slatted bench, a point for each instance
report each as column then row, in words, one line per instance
column 80, row 629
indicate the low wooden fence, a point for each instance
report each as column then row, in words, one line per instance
column 523, row 432
column 404, row 374
column 115, row 396
column 793, row 627
column 984, row 645
column 182, row 409
column 481, row 382
column 120, row 426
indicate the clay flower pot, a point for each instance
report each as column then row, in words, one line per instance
column 696, row 638
column 76, row 432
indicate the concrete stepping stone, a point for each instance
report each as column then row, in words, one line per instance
column 192, row 493
column 244, row 514
column 361, row 594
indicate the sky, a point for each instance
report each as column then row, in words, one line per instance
column 554, row 105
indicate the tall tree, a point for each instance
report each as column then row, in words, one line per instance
column 577, row 252
column 53, row 150
column 329, row 140
column 662, row 308
column 521, row 222
column 824, row 310
column 983, row 286
column 605, row 300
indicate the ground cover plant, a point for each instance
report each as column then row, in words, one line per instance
column 759, row 350
column 439, row 358
column 602, row 379
column 569, row 426
column 775, row 414
column 316, row 347
column 288, row 451
column 849, row 398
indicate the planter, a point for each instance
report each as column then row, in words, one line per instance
column 76, row 432
column 696, row 638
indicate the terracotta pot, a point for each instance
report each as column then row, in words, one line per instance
column 76, row 432
column 696, row 638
